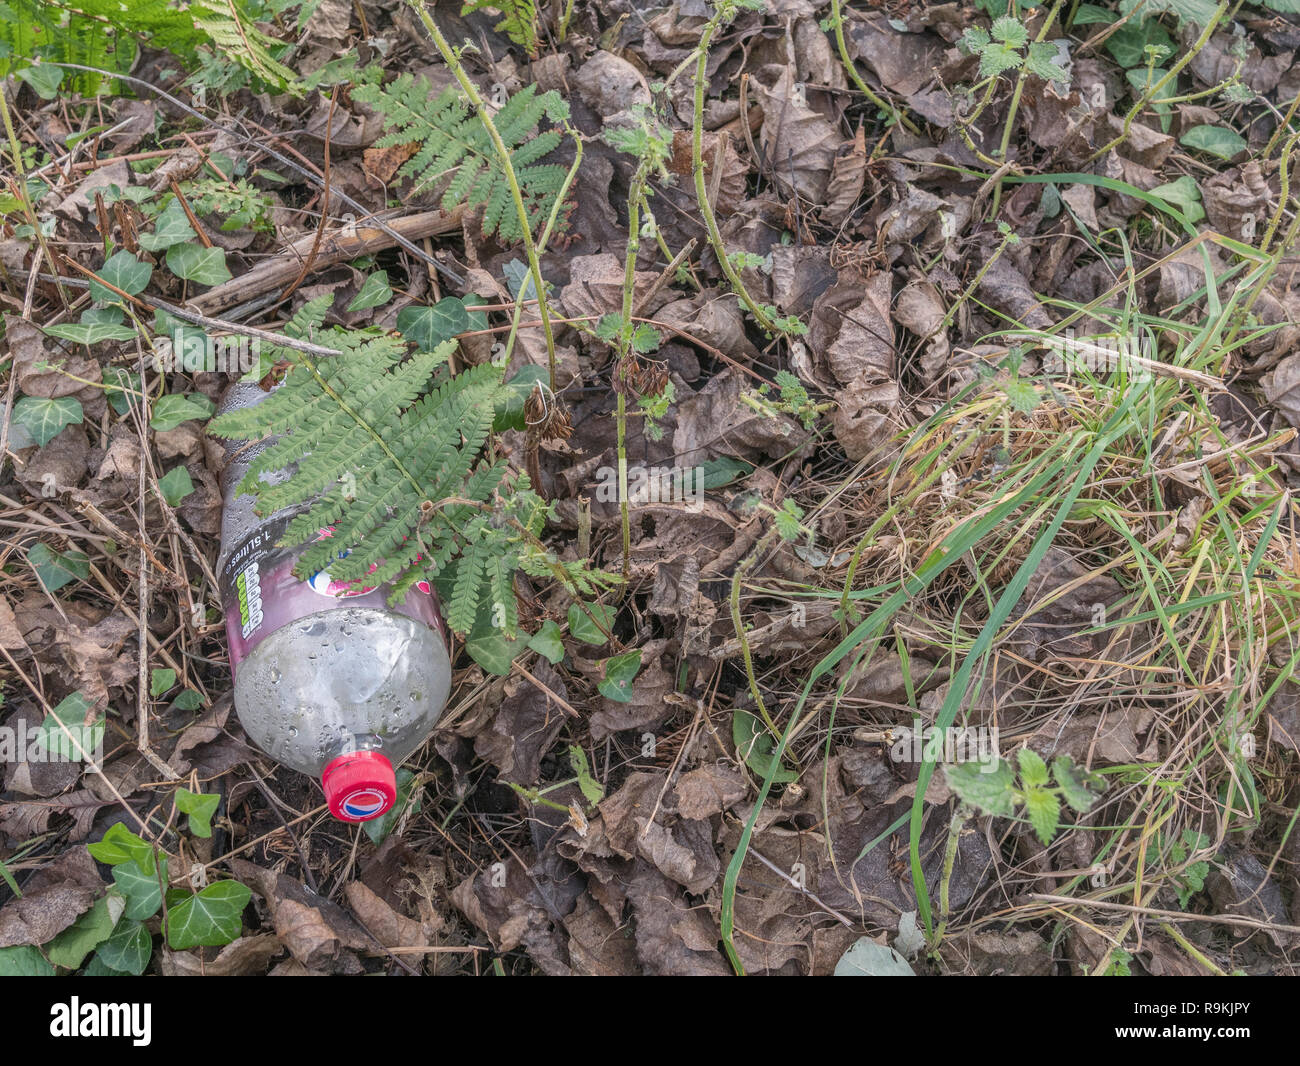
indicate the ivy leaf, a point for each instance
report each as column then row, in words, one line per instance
column 44, row 419
column 172, row 226
column 120, row 845
column 375, row 292
column 620, row 672
column 97, row 325
column 24, row 961
column 209, row 918
column 377, row 829
column 547, row 643
column 1128, row 44
column 1215, row 140
column 175, row 485
column 493, row 650
column 71, row 712
column 56, row 569
column 991, row 790
column 123, row 271
column 119, row 384
column 1044, row 811
column 1198, row 11
column 171, row 410
column 1185, row 195
column 428, row 327
column 128, row 949
column 189, row 700
column 200, row 808
column 71, row 946
column 44, row 78
column 589, row 622
column 193, row 262
column 141, row 888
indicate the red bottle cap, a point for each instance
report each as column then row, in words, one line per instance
column 359, row 786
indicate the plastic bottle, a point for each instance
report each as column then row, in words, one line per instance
column 329, row 679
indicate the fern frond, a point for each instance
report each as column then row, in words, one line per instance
column 518, row 22
column 452, row 139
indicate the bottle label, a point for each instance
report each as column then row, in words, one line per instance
column 260, row 594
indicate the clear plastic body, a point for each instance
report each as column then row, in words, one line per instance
column 320, row 669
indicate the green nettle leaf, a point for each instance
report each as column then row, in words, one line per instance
column 1023, row 396
column 161, row 679
column 200, row 808
column 1076, row 783
column 209, row 918
column 991, row 790
column 1033, row 771
column 590, row 622
column 141, row 888
column 193, row 262
column 1009, row 30
column 1044, row 811
column 24, row 961
column 44, row 419
column 128, row 949
column 592, row 790
column 620, row 672
column 71, row 946
column 123, row 271
column 175, row 485
column 756, row 746
column 547, row 643
column 172, row 226
column 120, row 845
column 1215, row 140
column 56, row 569
column 428, row 327
column 997, row 59
column 171, row 410
column 375, row 292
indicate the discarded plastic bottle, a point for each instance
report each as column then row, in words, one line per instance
column 329, row 679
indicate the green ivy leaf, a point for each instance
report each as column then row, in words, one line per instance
column 44, row 419
column 991, row 790
column 161, row 678
column 547, row 642
column 70, row 947
column 172, row 226
column 123, row 271
column 375, row 292
column 200, row 808
column 428, row 327
column 377, row 829
column 119, row 385
column 1185, row 195
column 128, row 949
column 589, row 622
column 620, row 672
column 1214, row 140
column 189, row 700
column 97, row 324
column 1128, row 44
column 209, row 918
column 175, row 485
column 56, row 569
column 493, row 650
column 120, row 845
column 171, row 410
column 193, row 262
column 141, row 888
column 24, row 961
column 71, row 712
column 44, row 78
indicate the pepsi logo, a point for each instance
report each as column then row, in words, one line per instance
column 365, row 803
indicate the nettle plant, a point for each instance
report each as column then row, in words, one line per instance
column 1001, row 791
